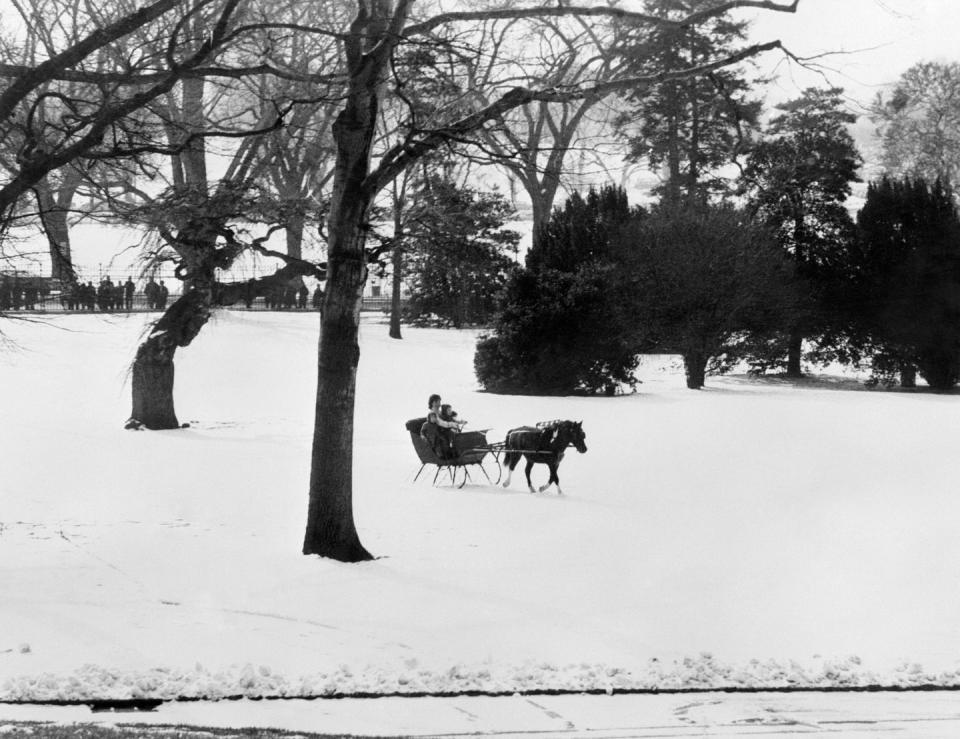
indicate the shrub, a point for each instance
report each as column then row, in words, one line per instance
column 555, row 337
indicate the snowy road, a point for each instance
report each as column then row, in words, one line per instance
column 918, row 715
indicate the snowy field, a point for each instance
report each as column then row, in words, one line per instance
column 756, row 533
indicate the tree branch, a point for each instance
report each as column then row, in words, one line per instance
column 400, row 156
column 46, row 71
column 138, row 80
column 193, row 136
column 605, row 11
column 42, row 162
column 297, row 266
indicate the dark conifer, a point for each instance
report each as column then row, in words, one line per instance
column 907, row 299
column 560, row 330
column 798, row 179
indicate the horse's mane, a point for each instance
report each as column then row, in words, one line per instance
column 550, row 429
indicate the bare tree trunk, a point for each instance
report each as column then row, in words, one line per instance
column 397, row 285
column 695, row 367
column 795, row 341
column 58, row 239
column 541, row 214
column 542, row 190
column 795, row 353
column 399, row 204
column 194, row 157
column 294, row 232
column 331, row 531
column 693, row 150
column 153, row 369
column 54, row 207
column 908, row 375
column 153, row 373
column 671, row 192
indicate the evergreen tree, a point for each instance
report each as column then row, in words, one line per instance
column 460, row 254
column 907, row 298
column 698, row 281
column 580, row 231
column 688, row 128
column 559, row 331
column 798, row 179
column 557, row 335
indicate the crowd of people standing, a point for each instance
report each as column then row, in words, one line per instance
column 16, row 294
column 32, row 293
column 107, row 296
column 287, row 298
column 157, row 295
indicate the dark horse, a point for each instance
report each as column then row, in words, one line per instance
column 544, row 443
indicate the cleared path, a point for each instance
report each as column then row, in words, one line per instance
column 918, row 715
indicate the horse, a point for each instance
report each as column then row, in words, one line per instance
column 542, row 444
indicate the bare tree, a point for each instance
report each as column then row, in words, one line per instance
column 295, row 162
column 178, row 111
column 94, row 127
column 532, row 142
column 196, row 216
column 31, row 130
column 919, row 123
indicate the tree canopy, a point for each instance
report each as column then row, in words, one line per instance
column 906, row 290
column 690, row 127
column 696, row 281
column 919, row 123
column 459, row 253
column 797, row 180
column 560, row 330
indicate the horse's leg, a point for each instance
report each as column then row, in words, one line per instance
column 527, row 470
column 510, row 461
column 552, row 464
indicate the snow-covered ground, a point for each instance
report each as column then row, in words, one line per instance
column 754, row 533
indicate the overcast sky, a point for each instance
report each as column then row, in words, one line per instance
column 870, row 42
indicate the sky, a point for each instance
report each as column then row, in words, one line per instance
column 867, row 44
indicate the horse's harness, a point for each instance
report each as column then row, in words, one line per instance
column 545, row 426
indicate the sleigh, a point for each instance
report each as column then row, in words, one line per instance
column 470, row 453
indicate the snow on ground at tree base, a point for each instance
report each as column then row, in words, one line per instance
column 756, row 533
